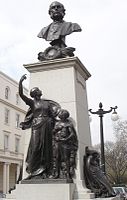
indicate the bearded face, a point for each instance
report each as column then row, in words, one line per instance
column 56, row 11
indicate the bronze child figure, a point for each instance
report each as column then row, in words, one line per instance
column 65, row 146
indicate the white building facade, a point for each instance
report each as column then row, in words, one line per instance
column 12, row 112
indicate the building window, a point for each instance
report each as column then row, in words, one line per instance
column 17, row 99
column 7, row 92
column 17, row 142
column 17, row 120
column 6, row 142
column 7, row 113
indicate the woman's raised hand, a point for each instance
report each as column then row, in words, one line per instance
column 23, row 78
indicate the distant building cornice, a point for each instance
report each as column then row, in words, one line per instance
column 11, row 79
column 12, row 106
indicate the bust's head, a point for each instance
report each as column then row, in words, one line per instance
column 56, row 11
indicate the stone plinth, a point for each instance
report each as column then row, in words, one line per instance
column 45, row 191
column 64, row 81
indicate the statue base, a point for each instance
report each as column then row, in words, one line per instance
column 63, row 191
column 53, row 52
column 46, row 181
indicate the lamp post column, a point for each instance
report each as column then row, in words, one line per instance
column 100, row 112
column 102, row 144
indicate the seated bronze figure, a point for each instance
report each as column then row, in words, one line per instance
column 94, row 177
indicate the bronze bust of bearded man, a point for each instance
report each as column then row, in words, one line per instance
column 56, row 32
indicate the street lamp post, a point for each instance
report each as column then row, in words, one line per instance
column 101, row 113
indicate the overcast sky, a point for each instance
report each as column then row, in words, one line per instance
column 101, row 47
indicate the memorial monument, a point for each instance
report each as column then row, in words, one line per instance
column 58, row 123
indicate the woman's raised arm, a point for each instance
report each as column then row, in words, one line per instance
column 24, row 97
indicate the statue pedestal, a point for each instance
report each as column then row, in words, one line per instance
column 45, row 191
column 64, row 81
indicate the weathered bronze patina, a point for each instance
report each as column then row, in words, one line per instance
column 53, row 144
column 56, row 33
column 94, row 177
